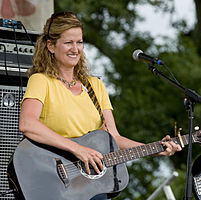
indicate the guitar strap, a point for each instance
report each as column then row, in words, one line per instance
column 97, row 105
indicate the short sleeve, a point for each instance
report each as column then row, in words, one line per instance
column 101, row 93
column 37, row 87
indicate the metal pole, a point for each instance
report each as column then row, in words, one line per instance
column 161, row 187
column 168, row 192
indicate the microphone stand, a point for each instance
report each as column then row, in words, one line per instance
column 189, row 103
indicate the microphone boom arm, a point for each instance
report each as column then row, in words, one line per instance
column 192, row 95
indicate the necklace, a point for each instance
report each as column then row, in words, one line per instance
column 71, row 84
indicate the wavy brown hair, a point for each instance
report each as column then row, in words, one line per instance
column 43, row 60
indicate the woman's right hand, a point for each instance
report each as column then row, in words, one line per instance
column 89, row 156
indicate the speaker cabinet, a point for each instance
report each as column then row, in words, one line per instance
column 10, row 136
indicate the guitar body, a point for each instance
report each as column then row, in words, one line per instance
column 36, row 168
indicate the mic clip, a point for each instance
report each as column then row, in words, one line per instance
column 153, row 69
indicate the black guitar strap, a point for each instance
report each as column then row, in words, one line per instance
column 97, row 105
column 94, row 100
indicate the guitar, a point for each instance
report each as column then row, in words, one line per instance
column 46, row 172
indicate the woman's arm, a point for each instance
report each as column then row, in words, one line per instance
column 30, row 125
column 124, row 142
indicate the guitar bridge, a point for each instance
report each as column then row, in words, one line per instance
column 62, row 172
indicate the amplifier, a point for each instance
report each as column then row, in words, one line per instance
column 16, row 51
column 15, row 57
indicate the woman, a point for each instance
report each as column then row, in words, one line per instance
column 56, row 105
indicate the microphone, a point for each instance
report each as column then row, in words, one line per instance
column 138, row 55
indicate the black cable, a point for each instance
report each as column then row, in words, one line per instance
column 18, row 62
column 20, row 94
column 171, row 74
column 28, row 36
column 5, row 65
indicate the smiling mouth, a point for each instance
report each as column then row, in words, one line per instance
column 72, row 56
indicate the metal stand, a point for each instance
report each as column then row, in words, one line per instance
column 189, row 102
column 166, row 188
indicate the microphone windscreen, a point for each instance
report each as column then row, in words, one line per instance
column 136, row 54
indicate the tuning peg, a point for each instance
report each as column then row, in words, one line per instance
column 178, row 133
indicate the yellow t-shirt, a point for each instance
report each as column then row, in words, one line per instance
column 67, row 114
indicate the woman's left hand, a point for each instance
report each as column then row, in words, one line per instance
column 171, row 147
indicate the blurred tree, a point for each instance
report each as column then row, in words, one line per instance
column 146, row 107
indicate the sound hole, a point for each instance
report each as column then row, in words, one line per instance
column 94, row 174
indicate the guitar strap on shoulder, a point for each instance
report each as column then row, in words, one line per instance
column 94, row 100
column 97, row 105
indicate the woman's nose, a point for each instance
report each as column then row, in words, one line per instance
column 74, row 46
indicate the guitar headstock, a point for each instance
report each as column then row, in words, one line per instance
column 197, row 136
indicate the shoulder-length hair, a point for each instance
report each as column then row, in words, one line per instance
column 43, row 60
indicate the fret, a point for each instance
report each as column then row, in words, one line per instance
column 136, row 153
column 185, row 139
column 105, row 160
column 114, row 158
column 133, row 155
column 193, row 139
column 109, row 159
column 128, row 154
column 143, row 149
column 119, row 157
column 124, row 155
column 154, row 148
column 149, row 149
column 139, row 151
column 160, row 147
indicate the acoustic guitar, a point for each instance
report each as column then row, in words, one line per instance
column 44, row 172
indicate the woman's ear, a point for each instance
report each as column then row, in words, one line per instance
column 50, row 46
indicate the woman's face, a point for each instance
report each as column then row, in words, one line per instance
column 68, row 48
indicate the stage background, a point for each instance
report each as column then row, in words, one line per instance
column 32, row 13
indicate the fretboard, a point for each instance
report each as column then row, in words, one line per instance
column 122, row 156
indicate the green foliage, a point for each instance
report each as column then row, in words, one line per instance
column 146, row 106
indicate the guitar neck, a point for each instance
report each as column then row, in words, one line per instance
column 125, row 155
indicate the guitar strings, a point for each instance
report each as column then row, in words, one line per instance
column 72, row 168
